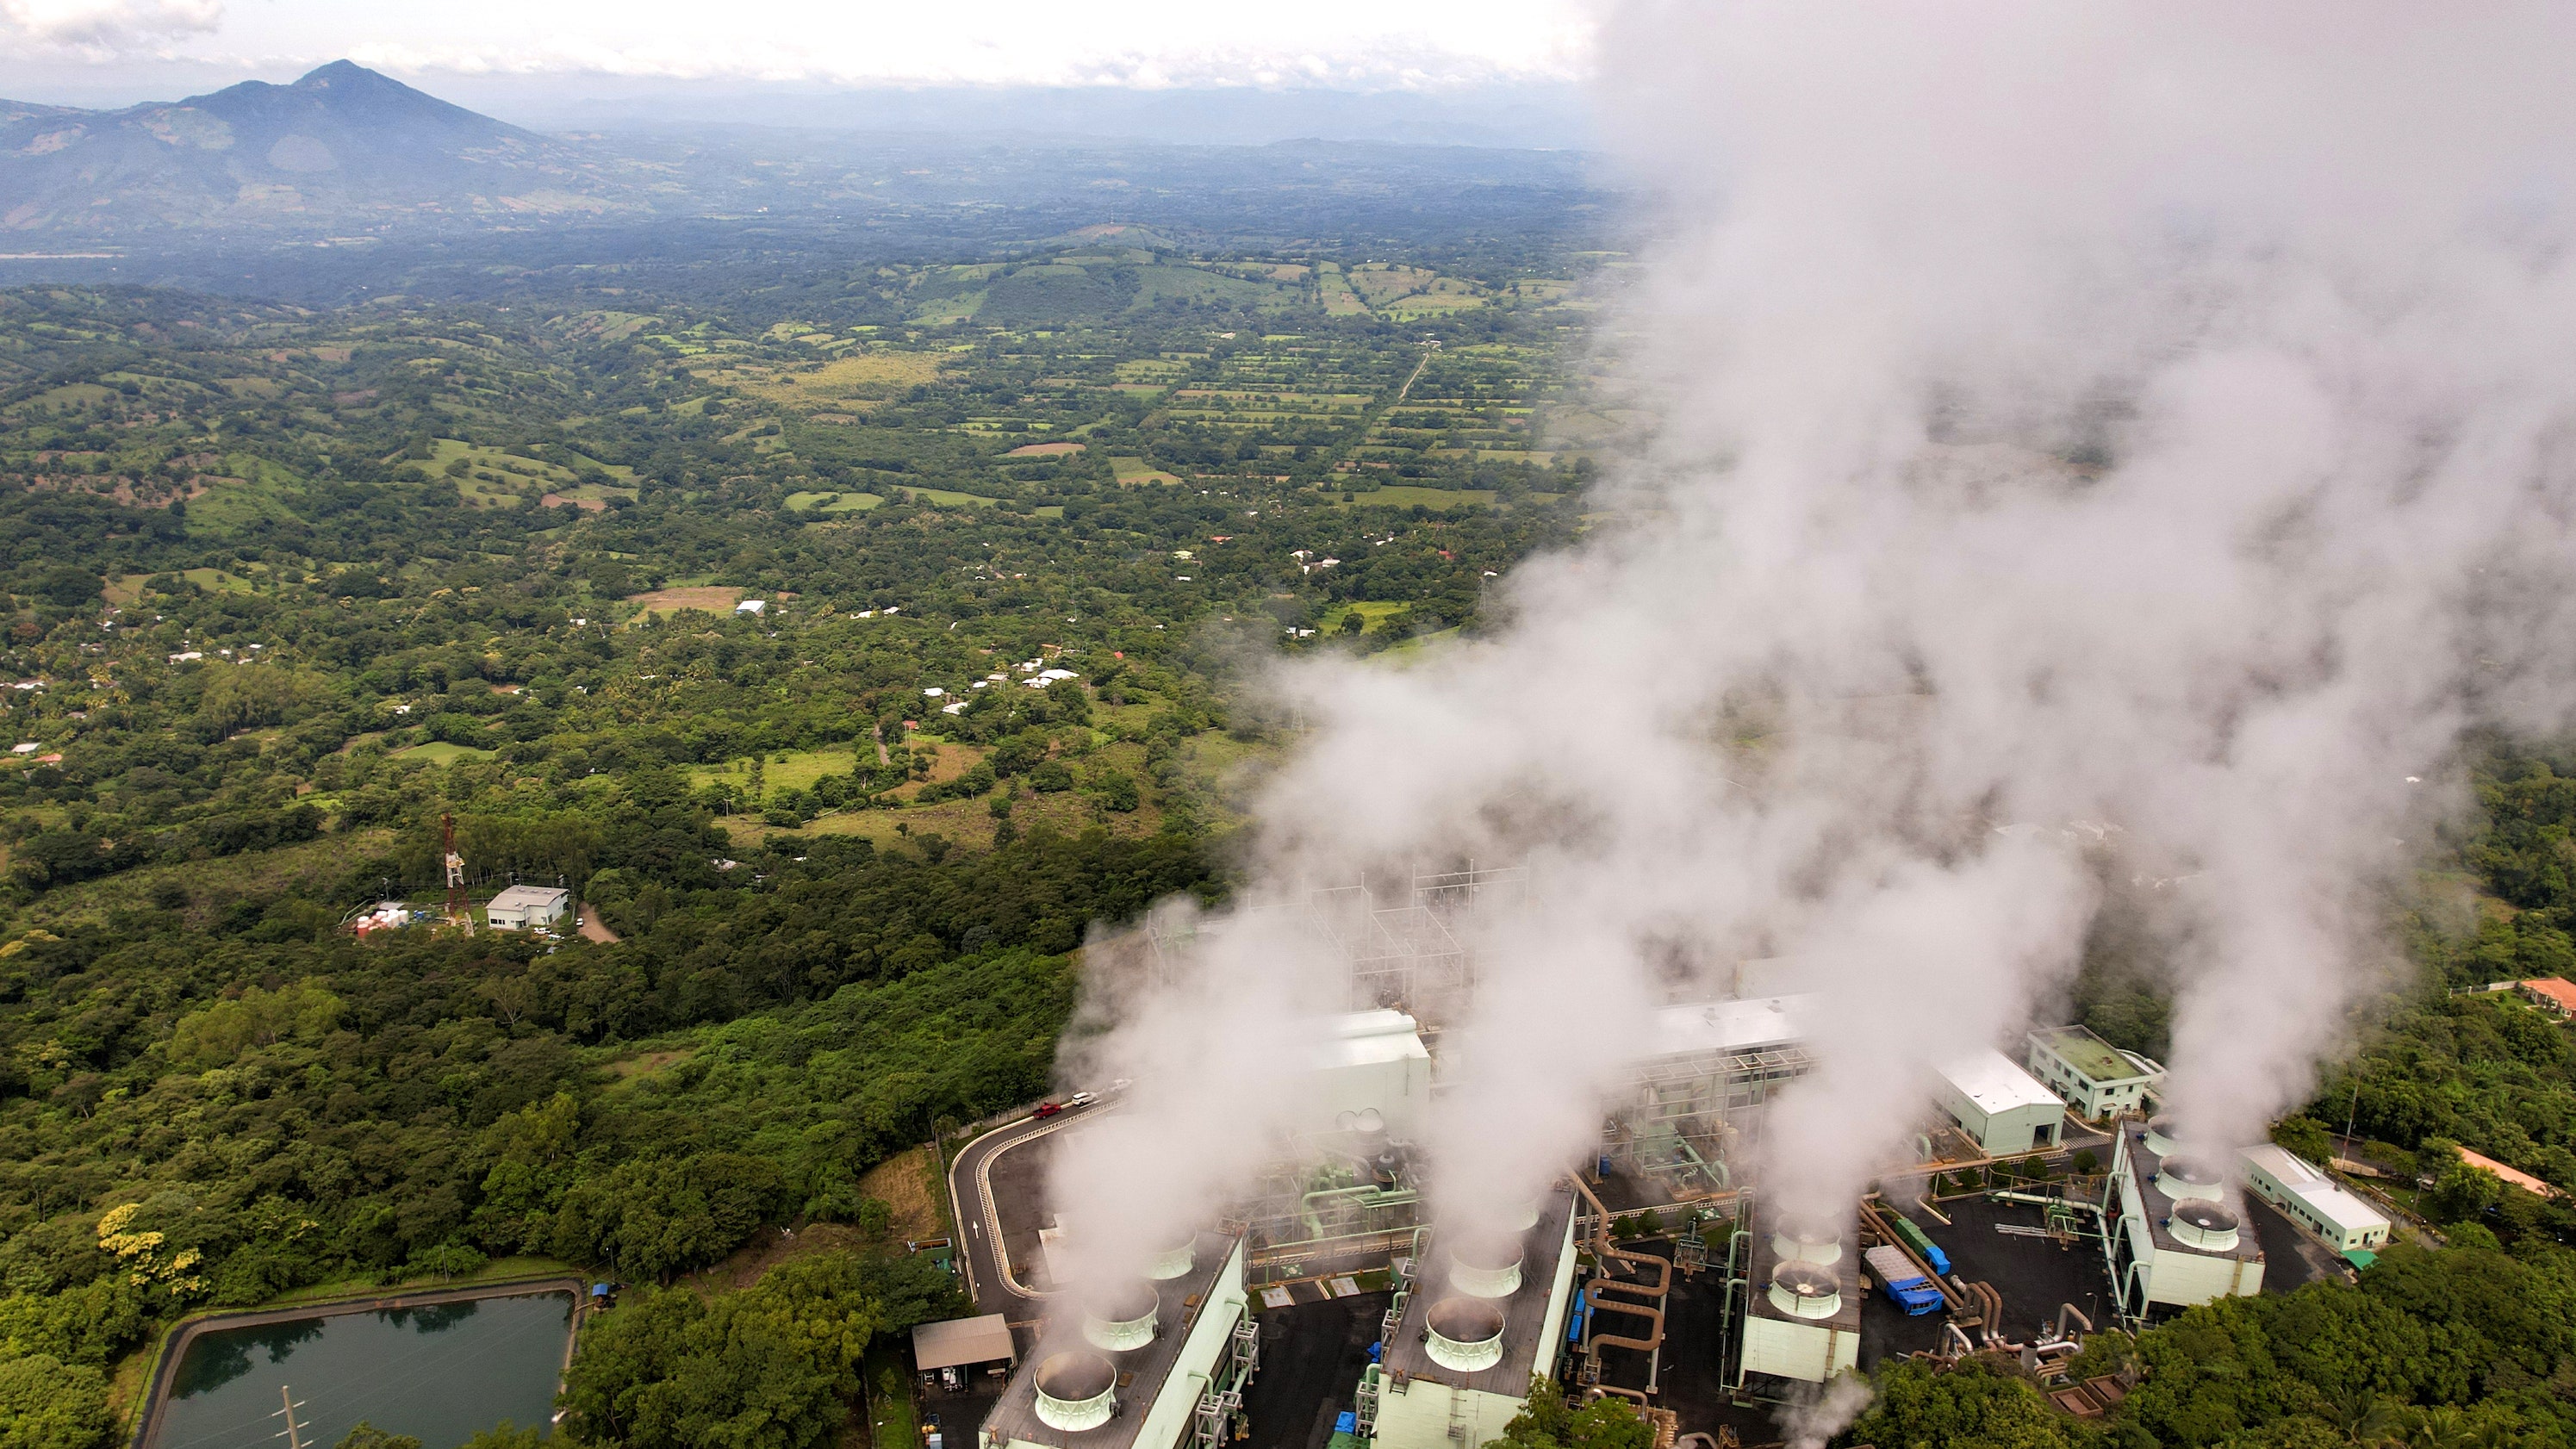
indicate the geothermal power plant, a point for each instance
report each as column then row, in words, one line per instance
column 1336, row 1294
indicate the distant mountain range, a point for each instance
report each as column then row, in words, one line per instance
column 342, row 145
column 345, row 155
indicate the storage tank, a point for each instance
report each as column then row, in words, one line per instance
column 1807, row 1239
column 1121, row 1317
column 1465, row 1334
column 1485, row 1265
column 2205, row 1225
column 1806, row 1290
column 1077, row 1390
column 2186, row 1179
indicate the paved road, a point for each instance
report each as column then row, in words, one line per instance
column 995, row 1283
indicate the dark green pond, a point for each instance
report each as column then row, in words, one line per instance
column 441, row 1374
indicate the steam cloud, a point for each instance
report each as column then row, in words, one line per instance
column 2089, row 444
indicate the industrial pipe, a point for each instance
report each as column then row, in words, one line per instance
column 2066, row 1311
column 1607, row 1252
column 1598, row 1390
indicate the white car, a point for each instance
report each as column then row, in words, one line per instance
column 1082, row 1099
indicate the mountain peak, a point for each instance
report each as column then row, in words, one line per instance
column 342, row 72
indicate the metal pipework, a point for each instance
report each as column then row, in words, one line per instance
column 1608, row 1252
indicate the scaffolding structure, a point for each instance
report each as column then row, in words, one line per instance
column 1398, row 944
column 1691, row 1114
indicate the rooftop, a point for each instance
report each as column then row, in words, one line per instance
column 521, row 897
column 2557, row 991
column 2516, row 1176
column 1141, row 1371
column 1728, row 1026
column 2096, row 1059
column 1524, row 1312
column 1364, row 1038
column 1997, row 1083
column 957, row 1341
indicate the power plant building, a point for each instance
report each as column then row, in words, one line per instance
column 2314, row 1201
column 2003, row 1108
column 2174, row 1239
column 2093, row 1076
column 1159, row 1364
column 1802, row 1313
column 1481, row 1318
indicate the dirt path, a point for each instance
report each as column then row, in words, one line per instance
column 878, row 731
column 1406, row 391
column 593, row 928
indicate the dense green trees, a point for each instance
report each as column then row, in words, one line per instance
column 1547, row 1423
column 766, row 1367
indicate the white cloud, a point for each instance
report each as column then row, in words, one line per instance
column 108, row 29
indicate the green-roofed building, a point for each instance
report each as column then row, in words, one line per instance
column 2095, row 1077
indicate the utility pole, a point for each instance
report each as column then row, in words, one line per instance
column 455, row 873
column 294, row 1433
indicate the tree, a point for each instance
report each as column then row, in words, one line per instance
column 1546, row 1423
column 48, row 1404
column 1973, row 1406
column 368, row 1436
column 767, row 1367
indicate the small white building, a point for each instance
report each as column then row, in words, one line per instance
column 2002, row 1107
column 2314, row 1201
column 523, row 906
column 2093, row 1076
column 753, row 606
column 1373, row 1071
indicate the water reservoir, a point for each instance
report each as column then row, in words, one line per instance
column 442, row 1372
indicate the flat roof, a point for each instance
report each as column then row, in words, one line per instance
column 519, row 896
column 2289, row 1169
column 1365, row 1038
column 1997, row 1083
column 2097, row 1059
column 956, row 1341
column 1728, row 1026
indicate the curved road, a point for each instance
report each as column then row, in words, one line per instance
column 991, row 1279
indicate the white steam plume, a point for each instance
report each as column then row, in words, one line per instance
column 2149, row 415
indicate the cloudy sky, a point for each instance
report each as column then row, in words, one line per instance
column 93, row 51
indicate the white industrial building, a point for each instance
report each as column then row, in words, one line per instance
column 2003, row 1108
column 2314, row 1201
column 2093, row 1076
column 2176, row 1240
column 1374, row 1072
column 523, row 906
column 1158, row 1364
column 1481, row 1319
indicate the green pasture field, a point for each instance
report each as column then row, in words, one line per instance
column 440, row 752
column 1405, row 495
column 797, row 771
column 833, row 502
